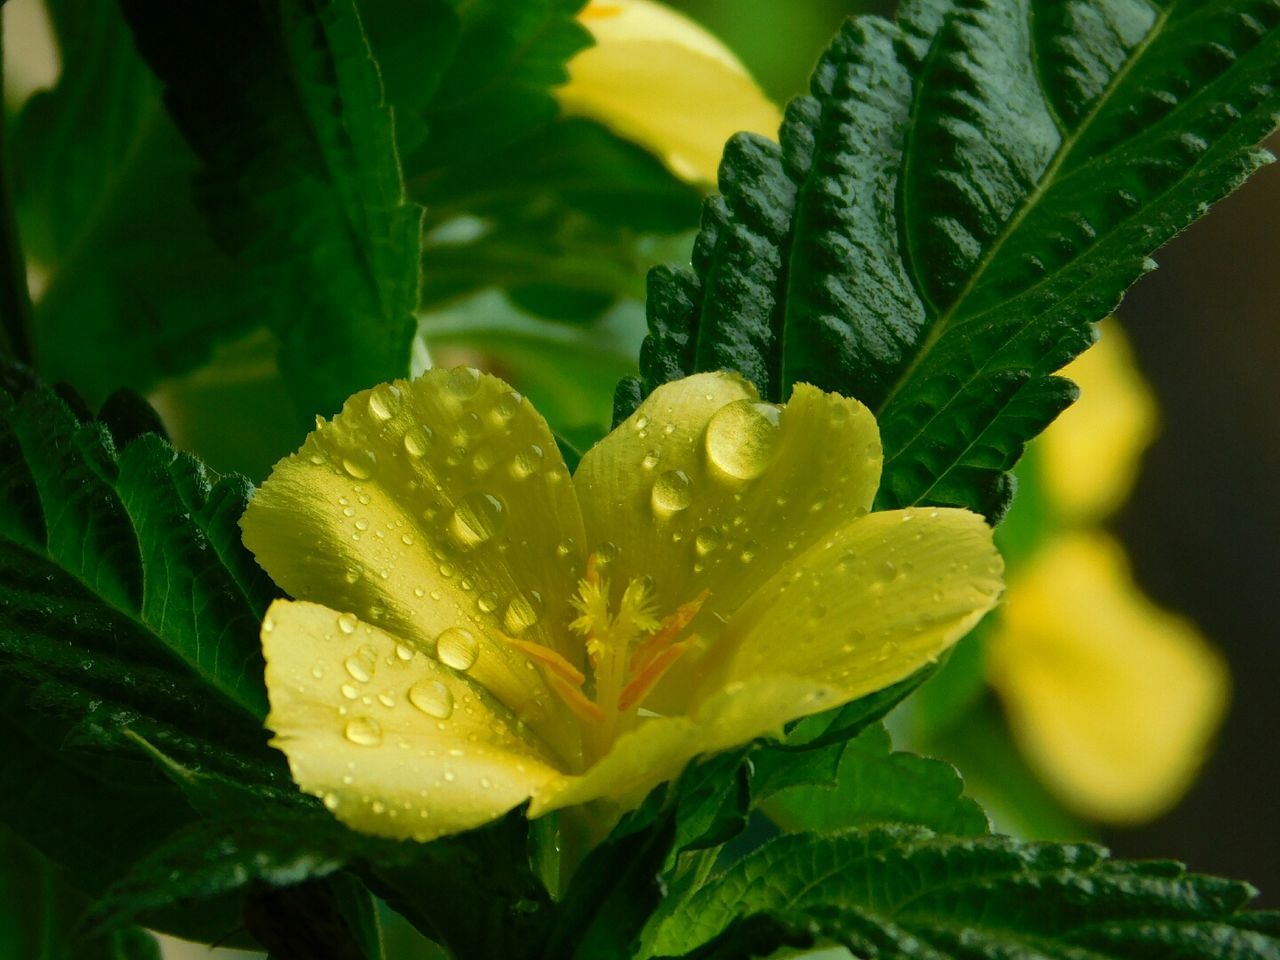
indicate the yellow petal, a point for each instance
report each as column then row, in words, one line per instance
column 659, row 79
column 706, row 488
column 869, row 605
column 1113, row 699
column 396, row 744
column 1090, row 454
column 660, row 747
column 434, row 507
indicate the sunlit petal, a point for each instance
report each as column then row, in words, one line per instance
column 396, row 743
column 869, row 605
column 658, row 78
column 434, row 508
column 705, row 488
column 1113, row 699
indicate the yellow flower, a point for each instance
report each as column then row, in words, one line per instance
column 473, row 628
column 1113, row 700
column 656, row 77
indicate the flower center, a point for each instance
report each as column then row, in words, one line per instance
column 629, row 649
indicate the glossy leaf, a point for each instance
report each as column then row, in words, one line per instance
column 902, row 892
column 961, row 196
column 300, row 180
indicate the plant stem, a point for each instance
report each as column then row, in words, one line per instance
column 15, row 298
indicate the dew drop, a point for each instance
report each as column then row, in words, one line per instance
column 464, row 381
column 433, row 698
column 523, row 611
column 364, row 731
column 651, row 459
column 706, row 541
column 641, row 422
column 457, row 647
column 487, row 602
column 331, row 801
column 359, row 464
column 404, row 652
column 384, row 399
column 672, row 492
column 742, row 438
column 564, row 548
column 359, row 667
column 349, row 691
column 387, row 698
column 362, row 524
column 347, row 622
column 527, row 463
column 416, row 441
column 476, row 520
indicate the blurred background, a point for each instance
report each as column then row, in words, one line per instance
column 1202, row 525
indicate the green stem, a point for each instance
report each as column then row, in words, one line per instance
column 15, row 298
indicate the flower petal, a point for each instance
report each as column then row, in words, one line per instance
column 431, row 505
column 868, row 606
column 396, row 744
column 1090, row 455
column 1113, row 699
column 660, row 747
column 706, row 488
column 658, row 78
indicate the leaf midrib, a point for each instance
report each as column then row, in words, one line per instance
column 1029, row 204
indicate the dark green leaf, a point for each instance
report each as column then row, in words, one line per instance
column 961, row 197
column 39, row 914
column 283, row 105
column 902, row 892
column 874, row 784
column 131, row 286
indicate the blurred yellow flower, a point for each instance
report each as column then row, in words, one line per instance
column 1113, row 700
column 473, row 628
column 657, row 78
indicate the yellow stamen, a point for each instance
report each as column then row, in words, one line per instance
column 548, row 658
column 577, row 701
column 670, row 628
column 642, row 682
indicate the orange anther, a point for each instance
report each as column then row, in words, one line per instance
column 642, row 682
column 548, row 658
column 575, row 698
column 670, row 628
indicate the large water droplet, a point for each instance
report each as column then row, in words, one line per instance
column 433, row 698
column 384, row 400
column 457, row 647
column 359, row 464
column 524, row 610
column 527, row 463
column 464, row 381
column 364, row 731
column 416, row 440
column 672, row 492
column 476, row 520
column 360, row 668
column 707, row 541
column 742, row 438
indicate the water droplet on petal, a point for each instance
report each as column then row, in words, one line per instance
column 404, row 652
column 457, row 647
column 527, row 463
column 384, row 399
column 359, row 667
column 347, row 622
column 672, row 492
column 416, row 441
column 364, row 731
column 742, row 438
column 433, row 698
column 706, row 541
column 331, row 801
column 464, row 381
column 523, row 611
column 651, row 459
column 359, row 464
column 476, row 520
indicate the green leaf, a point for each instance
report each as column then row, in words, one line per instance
column 904, row 892
column 131, row 286
column 283, row 105
column 875, row 784
column 963, row 194
column 39, row 914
